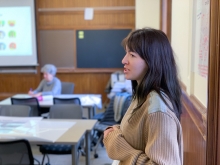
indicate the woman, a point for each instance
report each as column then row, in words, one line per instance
column 50, row 85
column 150, row 132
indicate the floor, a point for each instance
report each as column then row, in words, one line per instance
column 103, row 158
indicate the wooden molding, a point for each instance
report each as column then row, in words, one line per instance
column 200, row 109
column 183, row 86
column 194, row 114
column 75, row 9
column 79, row 27
column 88, row 70
column 213, row 113
column 165, row 17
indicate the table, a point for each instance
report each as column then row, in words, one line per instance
column 89, row 101
column 74, row 132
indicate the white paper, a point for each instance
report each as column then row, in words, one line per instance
column 32, row 128
column 88, row 13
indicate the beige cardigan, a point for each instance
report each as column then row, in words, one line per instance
column 152, row 136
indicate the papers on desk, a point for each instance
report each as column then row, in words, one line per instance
column 45, row 97
column 32, row 128
column 91, row 100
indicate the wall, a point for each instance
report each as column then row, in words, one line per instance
column 147, row 14
column 182, row 40
column 194, row 101
column 69, row 14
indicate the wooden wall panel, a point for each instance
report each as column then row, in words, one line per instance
column 70, row 14
column 75, row 20
column 194, row 134
column 83, row 3
column 11, row 84
column 194, row 144
column 94, row 83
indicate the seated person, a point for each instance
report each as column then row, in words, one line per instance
column 50, row 85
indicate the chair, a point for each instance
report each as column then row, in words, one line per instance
column 65, row 111
column 32, row 102
column 75, row 100
column 15, row 110
column 67, row 88
column 61, row 111
column 57, row 100
column 113, row 115
column 17, row 152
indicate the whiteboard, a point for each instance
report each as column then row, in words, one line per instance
column 200, row 49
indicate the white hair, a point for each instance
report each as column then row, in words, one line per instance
column 49, row 68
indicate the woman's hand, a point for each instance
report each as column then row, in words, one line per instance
column 110, row 129
column 31, row 93
column 107, row 131
column 38, row 94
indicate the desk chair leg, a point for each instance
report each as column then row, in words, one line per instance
column 48, row 160
column 96, row 146
column 43, row 160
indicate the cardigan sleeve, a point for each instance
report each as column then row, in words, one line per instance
column 40, row 87
column 160, row 133
column 118, row 149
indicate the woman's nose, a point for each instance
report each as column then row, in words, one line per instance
column 124, row 60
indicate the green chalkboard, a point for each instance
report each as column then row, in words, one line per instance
column 100, row 48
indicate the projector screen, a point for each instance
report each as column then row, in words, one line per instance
column 17, row 33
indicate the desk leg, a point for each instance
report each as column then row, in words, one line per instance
column 91, row 111
column 88, row 142
column 74, row 155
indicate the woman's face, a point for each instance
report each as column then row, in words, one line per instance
column 48, row 77
column 134, row 66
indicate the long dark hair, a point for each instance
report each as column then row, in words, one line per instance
column 154, row 48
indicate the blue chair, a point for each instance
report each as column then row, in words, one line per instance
column 75, row 100
column 32, row 102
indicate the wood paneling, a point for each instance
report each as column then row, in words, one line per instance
column 93, row 83
column 70, row 14
column 18, row 83
column 83, row 3
column 75, row 20
column 213, row 113
column 193, row 134
column 165, row 17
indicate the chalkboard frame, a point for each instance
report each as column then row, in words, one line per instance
column 75, row 68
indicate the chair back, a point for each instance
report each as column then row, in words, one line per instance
column 16, row 152
column 65, row 111
column 32, row 102
column 67, row 88
column 15, row 110
column 75, row 100
column 109, row 114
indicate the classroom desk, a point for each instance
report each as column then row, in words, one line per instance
column 67, row 132
column 89, row 101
